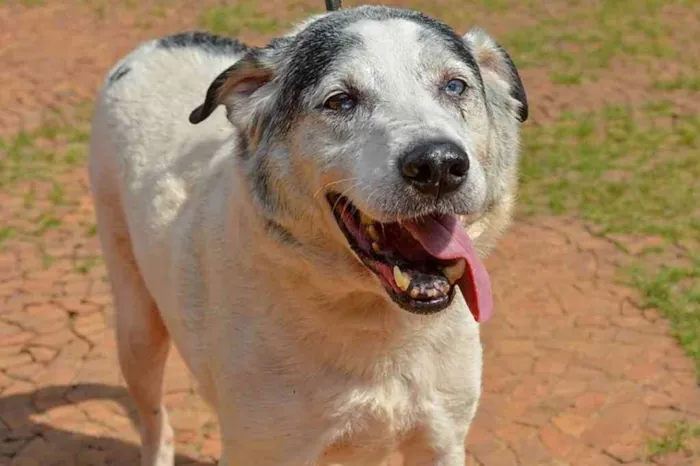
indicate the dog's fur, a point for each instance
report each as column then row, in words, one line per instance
column 219, row 234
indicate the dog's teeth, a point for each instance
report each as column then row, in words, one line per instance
column 372, row 232
column 365, row 220
column 455, row 271
column 403, row 281
column 414, row 293
column 378, row 249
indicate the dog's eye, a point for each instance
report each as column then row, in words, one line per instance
column 455, row 87
column 340, row 102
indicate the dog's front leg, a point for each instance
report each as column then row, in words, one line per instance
column 452, row 456
column 435, row 449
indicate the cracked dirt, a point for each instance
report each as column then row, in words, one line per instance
column 575, row 372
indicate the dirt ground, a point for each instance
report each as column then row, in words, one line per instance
column 575, row 372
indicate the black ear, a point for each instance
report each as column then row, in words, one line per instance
column 235, row 83
column 517, row 89
column 492, row 57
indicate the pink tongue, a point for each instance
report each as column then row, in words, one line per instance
column 445, row 239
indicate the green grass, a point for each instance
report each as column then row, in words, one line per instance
column 496, row 5
column 589, row 37
column 46, row 223
column 630, row 171
column 233, row 19
column 675, row 439
column 691, row 83
column 84, row 266
column 91, row 230
column 567, row 78
column 675, row 292
column 40, row 154
column 32, row 3
column 6, row 233
column 32, row 162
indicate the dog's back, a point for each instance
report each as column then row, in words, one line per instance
column 143, row 107
column 145, row 156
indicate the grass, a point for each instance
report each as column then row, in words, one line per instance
column 32, row 165
column 32, row 3
column 39, row 154
column 567, row 78
column 691, row 83
column 676, row 439
column 233, row 19
column 45, row 223
column 6, row 233
column 675, row 292
column 630, row 171
column 85, row 265
column 588, row 37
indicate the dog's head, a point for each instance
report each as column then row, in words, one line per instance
column 379, row 134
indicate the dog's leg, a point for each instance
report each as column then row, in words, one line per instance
column 428, row 449
column 142, row 339
column 454, row 455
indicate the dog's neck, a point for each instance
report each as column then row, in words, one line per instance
column 322, row 318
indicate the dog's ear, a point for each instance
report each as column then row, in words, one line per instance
column 235, row 84
column 495, row 63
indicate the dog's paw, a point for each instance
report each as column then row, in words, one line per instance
column 160, row 451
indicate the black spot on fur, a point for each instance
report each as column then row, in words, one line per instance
column 205, row 41
column 243, row 145
column 119, row 73
column 263, row 192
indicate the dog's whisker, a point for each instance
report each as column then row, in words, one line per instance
column 331, row 183
column 343, row 194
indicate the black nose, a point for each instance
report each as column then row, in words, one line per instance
column 435, row 168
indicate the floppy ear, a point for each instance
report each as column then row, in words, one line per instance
column 234, row 85
column 495, row 63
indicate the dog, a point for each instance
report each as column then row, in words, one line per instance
column 306, row 221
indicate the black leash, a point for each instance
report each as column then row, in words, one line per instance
column 333, row 5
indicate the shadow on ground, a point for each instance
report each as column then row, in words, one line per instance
column 34, row 438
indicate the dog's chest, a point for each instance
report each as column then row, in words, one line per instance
column 372, row 421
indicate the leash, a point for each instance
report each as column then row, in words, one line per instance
column 333, row 5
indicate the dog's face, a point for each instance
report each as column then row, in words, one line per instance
column 386, row 126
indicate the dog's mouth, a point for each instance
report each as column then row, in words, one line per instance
column 419, row 261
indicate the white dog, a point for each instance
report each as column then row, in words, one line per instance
column 302, row 230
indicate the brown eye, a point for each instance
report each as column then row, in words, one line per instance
column 340, row 102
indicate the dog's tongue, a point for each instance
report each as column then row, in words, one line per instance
column 445, row 239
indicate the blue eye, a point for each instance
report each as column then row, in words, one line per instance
column 340, row 102
column 455, row 87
